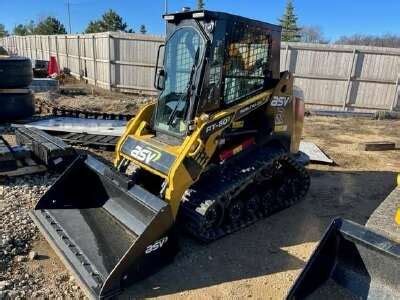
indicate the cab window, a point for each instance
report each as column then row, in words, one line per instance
column 247, row 58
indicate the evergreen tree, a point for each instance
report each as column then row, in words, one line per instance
column 200, row 4
column 290, row 30
column 24, row 29
column 143, row 29
column 50, row 26
column 113, row 22
column 20, row 29
column 94, row 26
column 110, row 21
column 3, row 31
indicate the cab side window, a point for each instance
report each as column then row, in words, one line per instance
column 246, row 62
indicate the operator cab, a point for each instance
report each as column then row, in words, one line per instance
column 211, row 60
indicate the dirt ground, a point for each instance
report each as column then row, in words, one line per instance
column 262, row 261
column 79, row 96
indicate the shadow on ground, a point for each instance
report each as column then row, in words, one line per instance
column 260, row 249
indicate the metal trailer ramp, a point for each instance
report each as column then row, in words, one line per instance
column 108, row 233
column 351, row 262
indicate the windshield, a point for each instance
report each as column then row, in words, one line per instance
column 182, row 55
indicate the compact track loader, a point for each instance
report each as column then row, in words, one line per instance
column 356, row 262
column 213, row 155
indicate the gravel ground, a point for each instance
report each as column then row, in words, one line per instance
column 29, row 268
column 260, row 262
column 22, row 270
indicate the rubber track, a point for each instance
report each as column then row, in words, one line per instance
column 91, row 140
column 225, row 183
column 77, row 113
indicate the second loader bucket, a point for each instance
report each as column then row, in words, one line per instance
column 351, row 262
column 109, row 233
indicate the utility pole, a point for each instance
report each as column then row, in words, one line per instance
column 165, row 12
column 165, row 6
column 69, row 16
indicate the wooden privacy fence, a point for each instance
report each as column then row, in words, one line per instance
column 330, row 76
column 345, row 77
column 110, row 60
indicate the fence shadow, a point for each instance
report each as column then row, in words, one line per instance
column 260, row 249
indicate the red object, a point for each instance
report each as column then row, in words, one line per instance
column 53, row 68
column 233, row 151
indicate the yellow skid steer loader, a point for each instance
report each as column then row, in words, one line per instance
column 213, row 155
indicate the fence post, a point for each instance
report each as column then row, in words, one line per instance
column 396, row 93
column 66, row 51
column 109, row 62
column 15, row 45
column 57, row 53
column 79, row 55
column 30, row 46
column 286, row 57
column 36, row 48
column 85, row 71
column 49, row 45
column 41, row 47
column 94, row 60
column 349, row 79
column 25, row 47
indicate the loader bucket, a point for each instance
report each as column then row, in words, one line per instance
column 108, row 233
column 351, row 262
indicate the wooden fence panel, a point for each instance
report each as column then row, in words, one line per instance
column 133, row 61
column 330, row 76
column 344, row 77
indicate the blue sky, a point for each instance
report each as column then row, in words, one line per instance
column 335, row 17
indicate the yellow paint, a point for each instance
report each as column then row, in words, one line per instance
column 281, row 128
column 238, row 124
column 397, row 218
column 237, row 149
column 178, row 178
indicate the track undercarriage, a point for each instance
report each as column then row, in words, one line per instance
column 241, row 192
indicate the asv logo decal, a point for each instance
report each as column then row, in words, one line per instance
column 146, row 155
column 157, row 245
column 280, row 101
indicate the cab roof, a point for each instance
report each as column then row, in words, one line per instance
column 214, row 15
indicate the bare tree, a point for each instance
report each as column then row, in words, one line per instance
column 386, row 40
column 312, row 34
column 143, row 29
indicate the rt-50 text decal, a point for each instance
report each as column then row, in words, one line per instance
column 215, row 126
